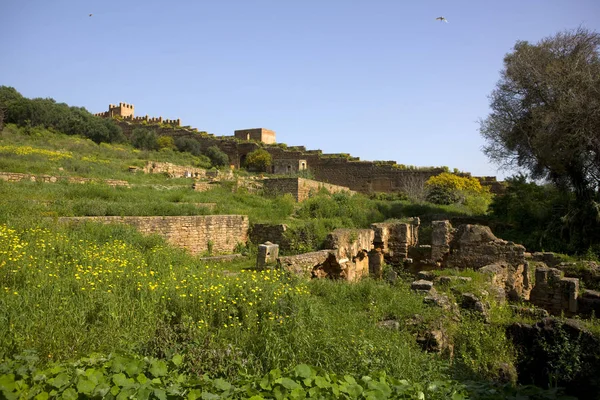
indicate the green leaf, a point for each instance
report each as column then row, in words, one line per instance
column 222, row 384
column 118, row 364
column 177, row 359
column 143, row 393
column 265, row 383
column 349, row 379
column 7, row 382
column 115, row 390
column 210, row 396
column 59, row 380
column 354, row 390
column 141, row 378
column 160, row 394
column 125, row 393
column 303, row 371
column 158, row 368
column 133, row 368
column 102, row 389
column 298, row 393
column 307, row 382
column 42, row 396
column 289, row 384
column 322, row 382
column 194, row 394
column 85, row 386
column 120, row 379
column 256, row 397
column 69, row 394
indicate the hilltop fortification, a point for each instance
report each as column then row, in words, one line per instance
column 337, row 169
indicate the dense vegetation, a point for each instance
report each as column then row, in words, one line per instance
column 545, row 117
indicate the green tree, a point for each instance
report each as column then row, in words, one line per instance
column 545, row 118
column 259, row 160
column 144, row 139
column 165, row 142
column 189, row 145
column 217, row 157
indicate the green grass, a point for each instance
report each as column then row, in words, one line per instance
column 68, row 292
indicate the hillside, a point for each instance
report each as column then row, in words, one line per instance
column 102, row 310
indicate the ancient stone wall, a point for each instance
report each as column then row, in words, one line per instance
column 303, row 264
column 274, row 233
column 259, row 134
column 300, row 188
column 17, row 177
column 475, row 246
column 198, row 234
column 555, row 293
column 285, row 166
column 173, row 170
column 395, row 239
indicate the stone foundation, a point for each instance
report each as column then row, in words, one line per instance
column 198, row 234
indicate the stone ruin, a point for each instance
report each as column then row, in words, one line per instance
column 355, row 253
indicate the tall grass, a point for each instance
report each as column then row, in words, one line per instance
column 67, row 293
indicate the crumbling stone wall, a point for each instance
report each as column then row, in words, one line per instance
column 274, row 233
column 173, row 170
column 220, row 233
column 18, row 177
column 303, row 264
column 553, row 292
column 475, row 246
column 300, row 188
column 349, row 259
column 395, row 239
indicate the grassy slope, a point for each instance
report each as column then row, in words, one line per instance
column 65, row 293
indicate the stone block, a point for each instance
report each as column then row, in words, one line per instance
column 267, row 255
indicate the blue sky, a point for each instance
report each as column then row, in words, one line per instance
column 379, row 79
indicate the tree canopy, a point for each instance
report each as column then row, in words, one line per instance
column 545, row 120
column 546, row 111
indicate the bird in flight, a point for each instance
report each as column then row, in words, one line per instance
column 90, row 15
column 442, row 19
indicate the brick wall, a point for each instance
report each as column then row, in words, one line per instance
column 191, row 232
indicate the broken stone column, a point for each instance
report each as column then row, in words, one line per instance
column 441, row 236
column 267, row 255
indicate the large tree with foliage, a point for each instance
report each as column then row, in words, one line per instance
column 545, row 119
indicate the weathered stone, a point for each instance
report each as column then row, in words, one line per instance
column 513, row 280
column 443, row 301
column 389, row 324
column 537, row 313
column 391, row 276
column 422, row 285
column 472, row 303
column 267, row 254
column 376, row 263
column 435, row 341
column 300, row 188
column 395, row 239
column 441, row 237
column 554, row 293
column 274, row 233
column 449, row 279
column 475, row 246
column 303, row 264
column 426, row 275
column 198, row 234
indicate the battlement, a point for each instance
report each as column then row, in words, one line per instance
column 126, row 111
